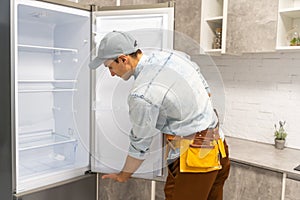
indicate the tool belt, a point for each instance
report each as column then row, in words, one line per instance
column 199, row 152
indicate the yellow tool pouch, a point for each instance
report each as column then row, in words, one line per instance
column 201, row 158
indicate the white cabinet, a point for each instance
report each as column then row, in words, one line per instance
column 288, row 25
column 213, row 17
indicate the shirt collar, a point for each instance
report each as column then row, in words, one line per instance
column 142, row 62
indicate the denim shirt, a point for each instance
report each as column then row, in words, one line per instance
column 169, row 96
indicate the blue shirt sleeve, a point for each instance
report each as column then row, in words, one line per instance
column 143, row 116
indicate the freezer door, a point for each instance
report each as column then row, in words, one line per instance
column 153, row 29
column 52, row 103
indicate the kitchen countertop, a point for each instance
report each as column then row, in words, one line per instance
column 264, row 155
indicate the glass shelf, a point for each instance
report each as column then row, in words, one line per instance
column 45, row 151
column 39, row 140
column 47, row 81
column 47, row 49
column 47, row 90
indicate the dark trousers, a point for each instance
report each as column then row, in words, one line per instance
column 197, row 186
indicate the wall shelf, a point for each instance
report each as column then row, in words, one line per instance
column 288, row 22
column 213, row 16
column 217, row 20
column 288, row 48
column 213, row 51
column 293, row 13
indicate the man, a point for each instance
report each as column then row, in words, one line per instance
column 169, row 96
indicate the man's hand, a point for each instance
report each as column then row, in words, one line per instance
column 130, row 166
column 120, row 177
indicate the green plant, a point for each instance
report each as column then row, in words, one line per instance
column 298, row 41
column 293, row 42
column 280, row 133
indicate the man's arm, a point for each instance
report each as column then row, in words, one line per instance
column 130, row 166
column 143, row 116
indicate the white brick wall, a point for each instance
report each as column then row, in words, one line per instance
column 260, row 89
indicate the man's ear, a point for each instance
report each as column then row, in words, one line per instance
column 123, row 58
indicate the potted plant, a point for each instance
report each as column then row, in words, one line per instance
column 280, row 135
column 293, row 42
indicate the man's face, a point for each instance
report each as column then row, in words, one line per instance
column 120, row 68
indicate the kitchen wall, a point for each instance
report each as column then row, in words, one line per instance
column 260, row 90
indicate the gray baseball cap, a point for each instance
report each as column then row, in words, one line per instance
column 112, row 45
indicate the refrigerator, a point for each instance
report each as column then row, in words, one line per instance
column 68, row 122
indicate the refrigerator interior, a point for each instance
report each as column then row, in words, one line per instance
column 52, row 93
column 112, row 123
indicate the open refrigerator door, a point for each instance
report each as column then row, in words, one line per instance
column 51, row 52
column 152, row 27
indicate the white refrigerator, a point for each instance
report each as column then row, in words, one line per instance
column 68, row 120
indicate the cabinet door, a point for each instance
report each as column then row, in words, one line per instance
column 251, row 26
column 292, row 189
column 247, row 182
column 111, row 119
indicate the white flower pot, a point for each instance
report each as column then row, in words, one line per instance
column 279, row 144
